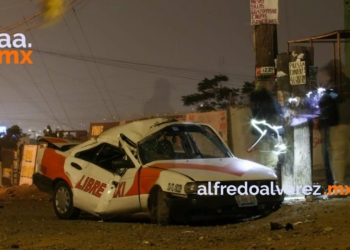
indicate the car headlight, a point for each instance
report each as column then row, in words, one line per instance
column 191, row 188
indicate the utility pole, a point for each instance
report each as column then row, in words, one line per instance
column 265, row 45
column 264, row 18
column 347, row 45
column 265, row 52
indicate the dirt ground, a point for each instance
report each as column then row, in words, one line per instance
column 27, row 221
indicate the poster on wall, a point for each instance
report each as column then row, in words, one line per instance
column 6, row 176
column 216, row 119
column 28, row 164
column 263, row 12
column 297, row 73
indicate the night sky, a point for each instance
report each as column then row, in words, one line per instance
column 113, row 60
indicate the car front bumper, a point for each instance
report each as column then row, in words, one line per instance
column 222, row 205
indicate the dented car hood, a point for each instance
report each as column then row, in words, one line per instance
column 223, row 169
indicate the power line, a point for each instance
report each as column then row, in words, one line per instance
column 54, row 88
column 33, row 17
column 6, row 30
column 17, row 5
column 93, row 78
column 187, row 73
column 98, row 67
column 53, row 114
column 27, row 96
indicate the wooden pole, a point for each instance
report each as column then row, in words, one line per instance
column 265, row 44
column 346, row 47
column 265, row 48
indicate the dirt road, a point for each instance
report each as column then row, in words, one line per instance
column 27, row 221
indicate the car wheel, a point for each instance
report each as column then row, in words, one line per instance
column 159, row 208
column 63, row 202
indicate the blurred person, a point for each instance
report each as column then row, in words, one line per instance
column 266, row 107
column 340, row 143
column 328, row 118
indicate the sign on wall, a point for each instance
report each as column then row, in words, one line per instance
column 297, row 73
column 264, row 12
column 265, row 73
column 97, row 128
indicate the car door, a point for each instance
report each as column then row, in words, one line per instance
column 125, row 197
column 92, row 176
column 102, row 175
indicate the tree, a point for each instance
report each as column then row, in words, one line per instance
column 246, row 90
column 330, row 71
column 48, row 131
column 10, row 139
column 213, row 96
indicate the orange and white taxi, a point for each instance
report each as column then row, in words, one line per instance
column 166, row 168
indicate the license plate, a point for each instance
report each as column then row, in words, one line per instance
column 246, row 200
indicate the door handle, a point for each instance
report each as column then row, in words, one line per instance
column 74, row 165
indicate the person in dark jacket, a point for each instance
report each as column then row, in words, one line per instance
column 328, row 117
column 265, row 107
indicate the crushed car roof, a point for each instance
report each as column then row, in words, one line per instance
column 138, row 130
column 58, row 143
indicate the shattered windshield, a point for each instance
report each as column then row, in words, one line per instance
column 182, row 142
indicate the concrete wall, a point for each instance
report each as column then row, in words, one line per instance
column 241, row 133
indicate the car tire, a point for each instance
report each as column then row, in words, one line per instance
column 159, row 208
column 63, row 202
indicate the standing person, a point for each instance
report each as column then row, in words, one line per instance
column 328, row 118
column 265, row 107
column 340, row 143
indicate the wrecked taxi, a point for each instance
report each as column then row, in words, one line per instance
column 170, row 169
